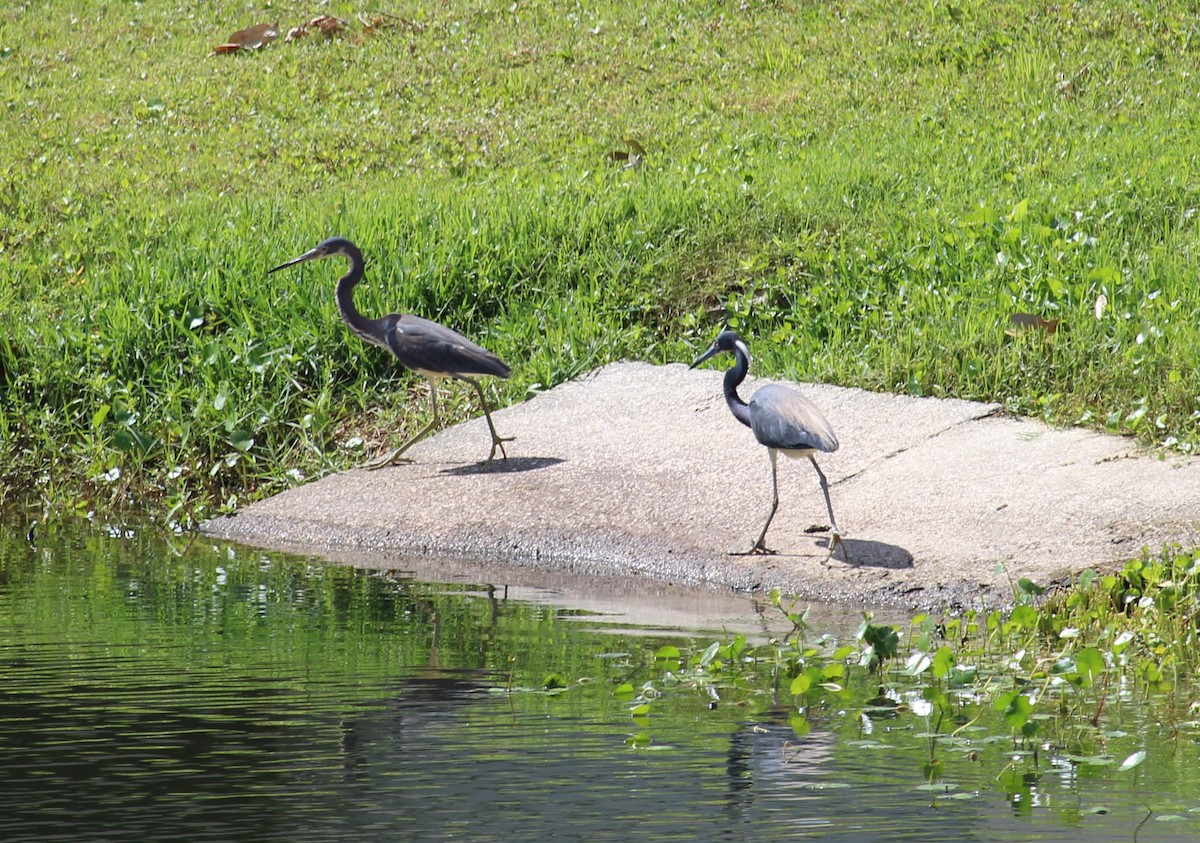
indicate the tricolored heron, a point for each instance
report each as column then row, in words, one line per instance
column 426, row 347
column 781, row 419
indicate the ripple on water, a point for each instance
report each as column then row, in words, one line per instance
column 151, row 693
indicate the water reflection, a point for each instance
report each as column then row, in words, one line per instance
column 155, row 691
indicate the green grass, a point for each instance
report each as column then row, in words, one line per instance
column 867, row 191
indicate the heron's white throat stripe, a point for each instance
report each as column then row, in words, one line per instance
column 745, row 349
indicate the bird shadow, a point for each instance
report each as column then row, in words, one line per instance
column 858, row 553
column 512, row 465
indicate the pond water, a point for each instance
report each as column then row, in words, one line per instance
column 167, row 688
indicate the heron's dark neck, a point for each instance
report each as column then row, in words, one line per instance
column 358, row 323
column 733, row 378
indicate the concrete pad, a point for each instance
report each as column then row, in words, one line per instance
column 640, row 470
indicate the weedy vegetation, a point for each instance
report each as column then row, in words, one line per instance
column 872, row 191
column 1085, row 679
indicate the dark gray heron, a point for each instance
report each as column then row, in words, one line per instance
column 781, row 419
column 426, row 347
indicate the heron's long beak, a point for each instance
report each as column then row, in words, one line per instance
column 307, row 256
column 712, row 351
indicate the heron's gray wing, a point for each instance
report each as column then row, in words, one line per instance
column 783, row 418
column 425, row 346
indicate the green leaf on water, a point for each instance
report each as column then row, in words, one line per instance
column 1170, row 818
column 883, row 639
column 815, row 675
column 1090, row 664
column 801, row 684
column 943, row 660
column 800, row 725
column 624, row 691
column 833, row 671
column 640, row 710
column 1064, row 665
column 1132, row 761
column 962, row 675
column 917, row 664
column 1092, row 760
column 1029, row 587
column 1023, row 616
column 710, row 653
column 666, row 653
column 1016, row 707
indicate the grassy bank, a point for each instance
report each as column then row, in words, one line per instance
column 868, row 192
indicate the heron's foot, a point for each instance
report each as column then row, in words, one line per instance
column 391, row 458
column 759, row 549
column 498, row 442
column 836, row 541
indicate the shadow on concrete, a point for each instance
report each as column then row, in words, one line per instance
column 869, row 554
column 513, row 465
column 863, row 554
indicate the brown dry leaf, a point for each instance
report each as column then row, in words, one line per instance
column 222, row 49
column 1025, row 321
column 295, row 33
column 327, row 24
column 253, row 37
column 374, row 23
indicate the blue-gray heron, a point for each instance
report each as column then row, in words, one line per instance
column 781, row 419
column 426, row 347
